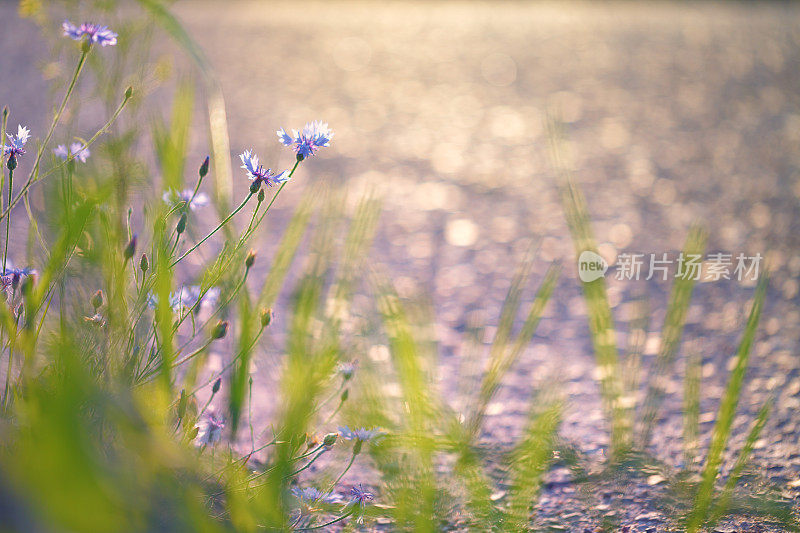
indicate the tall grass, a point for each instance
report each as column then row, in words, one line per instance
column 128, row 398
column 623, row 443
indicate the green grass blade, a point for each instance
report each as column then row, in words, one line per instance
column 601, row 321
column 670, row 335
column 691, row 406
column 416, row 495
column 217, row 116
column 530, row 461
column 636, row 340
column 172, row 141
column 726, row 413
column 501, row 361
column 286, row 252
column 724, row 501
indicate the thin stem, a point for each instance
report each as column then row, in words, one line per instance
column 2, row 151
column 8, row 220
column 210, row 399
column 246, row 234
column 35, row 178
column 219, row 226
column 326, row 524
column 250, row 416
column 60, row 111
column 12, row 339
column 308, row 464
column 193, row 354
column 338, row 479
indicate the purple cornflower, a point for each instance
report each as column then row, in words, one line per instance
column 95, row 33
column 12, row 276
column 315, row 135
column 211, row 430
column 173, row 197
column 257, row 173
column 186, row 297
column 78, row 150
column 17, row 146
column 360, row 497
column 362, row 434
column 347, row 369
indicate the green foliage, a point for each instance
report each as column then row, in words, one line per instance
column 112, row 419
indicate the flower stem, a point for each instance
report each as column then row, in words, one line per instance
column 219, row 226
column 8, row 220
column 33, row 178
column 308, row 464
column 338, row 479
column 57, row 116
column 326, row 524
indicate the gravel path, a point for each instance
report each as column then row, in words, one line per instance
column 675, row 114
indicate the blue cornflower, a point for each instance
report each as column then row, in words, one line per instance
column 186, row 297
column 360, row 497
column 17, row 146
column 78, row 150
column 313, row 495
column 173, row 197
column 211, row 429
column 348, row 369
column 257, row 173
column 95, row 33
column 362, row 434
column 12, row 276
column 315, row 135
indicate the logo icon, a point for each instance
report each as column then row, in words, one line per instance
column 591, row 266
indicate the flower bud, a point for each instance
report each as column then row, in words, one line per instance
column 204, row 168
column 130, row 248
column 300, row 157
column 345, row 395
column 143, row 264
column 192, row 433
column 181, row 227
column 255, row 186
column 215, row 387
column 12, row 161
column 251, row 258
column 182, row 403
column 266, row 317
column 97, row 300
column 128, row 92
column 261, row 195
column 357, row 446
column 220, row 330
column 330, row 439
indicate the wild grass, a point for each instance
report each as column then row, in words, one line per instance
column 625, row 449
column 128, row 398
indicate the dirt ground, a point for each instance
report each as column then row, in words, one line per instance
column 675, row 114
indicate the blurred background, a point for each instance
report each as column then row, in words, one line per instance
column 675, row 113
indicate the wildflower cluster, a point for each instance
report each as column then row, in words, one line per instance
column 173, row 344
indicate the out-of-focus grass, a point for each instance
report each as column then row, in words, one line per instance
column 671, row 334
column 724, row 423
column 108, row 393
column 624, row 448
